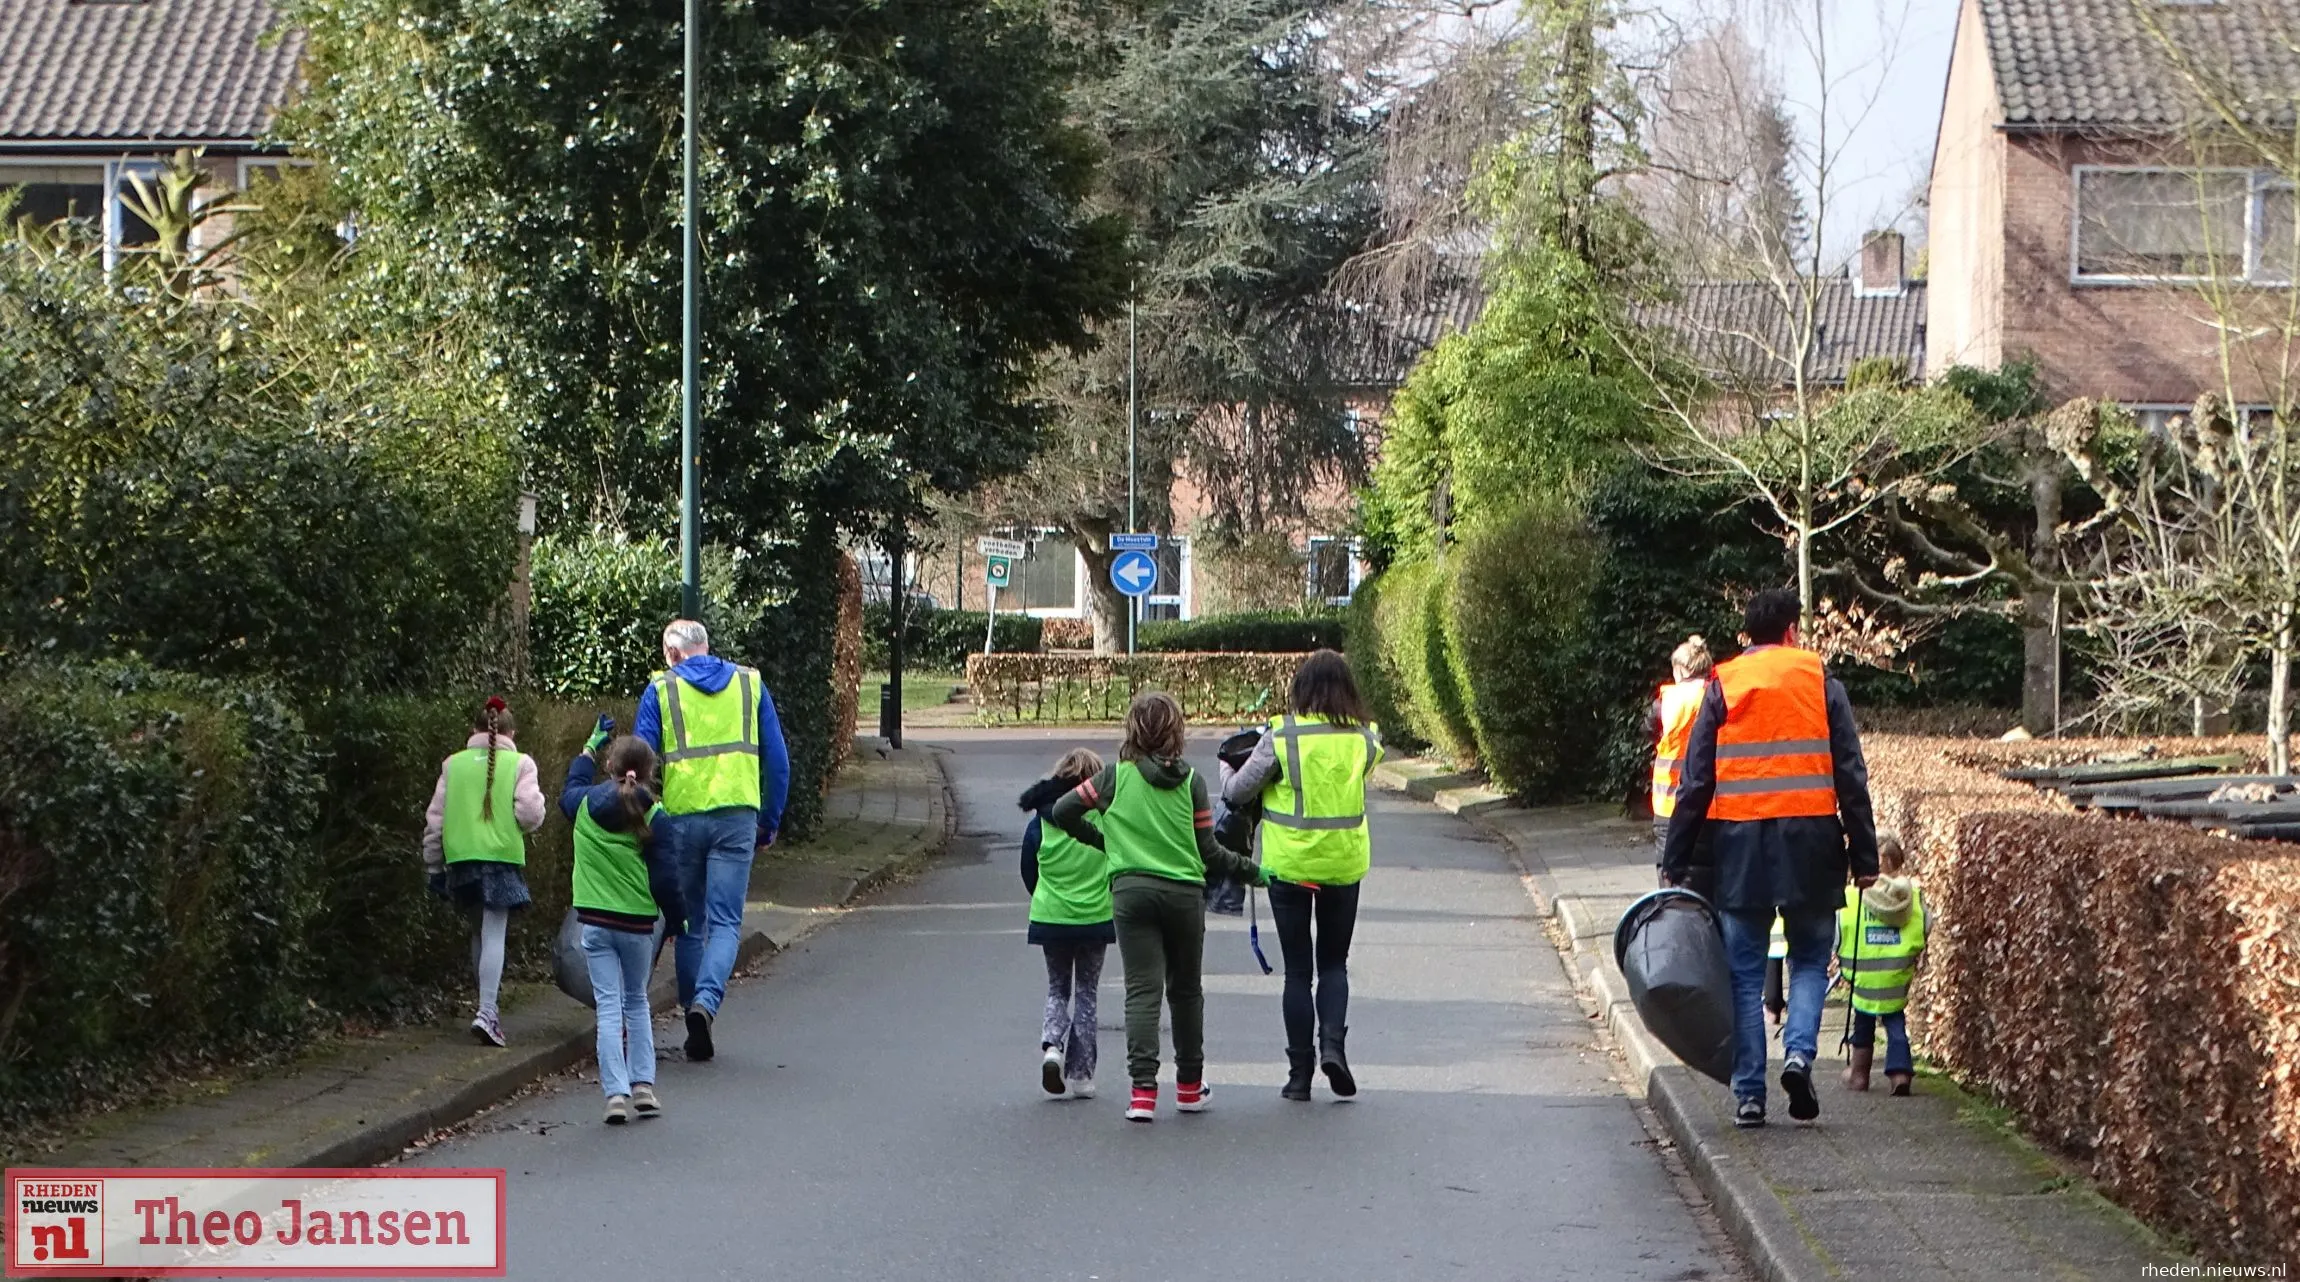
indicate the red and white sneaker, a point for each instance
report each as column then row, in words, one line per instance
column 1192, row 1097
column 1144, row 1106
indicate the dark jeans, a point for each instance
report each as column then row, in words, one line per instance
column 1162, row 943
column 1334, row 909
column 1897, row 1056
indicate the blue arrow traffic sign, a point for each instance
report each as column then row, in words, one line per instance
column 1135, row 573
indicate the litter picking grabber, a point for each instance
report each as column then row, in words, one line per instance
column 1852, row 975
column 1254, row 930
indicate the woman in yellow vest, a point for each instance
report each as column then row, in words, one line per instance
column 474, row 845
column 1674, row 708
column 1310, row 772
column 1880, row 939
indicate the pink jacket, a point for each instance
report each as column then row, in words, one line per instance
column 526, row 800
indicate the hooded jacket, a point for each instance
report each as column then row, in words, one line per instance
column 710, row 674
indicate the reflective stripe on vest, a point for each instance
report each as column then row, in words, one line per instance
column 711, row 744
column 1314, row 815
column 1879, row 960
column 1773, row 759
column 1680, row 706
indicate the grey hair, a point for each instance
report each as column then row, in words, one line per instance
column 687, row 636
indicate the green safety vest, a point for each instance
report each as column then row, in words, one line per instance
column 1314, row 814
column 1073, row 880
column 463, row 834
column 1149, row 829
column 710, row 744
column 1880, row 960
column 610, row 873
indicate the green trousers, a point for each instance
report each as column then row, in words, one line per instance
column 1162, row 941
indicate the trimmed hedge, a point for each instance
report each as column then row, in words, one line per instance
column 1257, row 632
column 1229, row 689
column 1377, row 676
column 941, row 640
column 1518, row 635
column 1410, row 618
column 601, row 600
column 2130, row 990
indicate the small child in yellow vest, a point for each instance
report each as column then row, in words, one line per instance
column 1071, row 919
column 474, row 844
column 1880, row 941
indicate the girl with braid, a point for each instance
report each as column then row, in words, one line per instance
column 474, row 846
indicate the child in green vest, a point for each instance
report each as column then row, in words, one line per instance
column 1157, row 826
column 615, row 901
column 1070, row 918
column 474, row 845
column 1880, row 941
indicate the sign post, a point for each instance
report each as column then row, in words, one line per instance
column 1134, row 571
column 998, row 570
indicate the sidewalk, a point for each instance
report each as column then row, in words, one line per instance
column 356, row 1102
column 1934, row 1187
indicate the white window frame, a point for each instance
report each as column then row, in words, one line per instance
column 1353, row 571
column 2259, row 183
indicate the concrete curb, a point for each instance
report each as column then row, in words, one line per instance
column 1759, row 1221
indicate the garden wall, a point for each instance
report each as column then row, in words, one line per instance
column 2129, row 989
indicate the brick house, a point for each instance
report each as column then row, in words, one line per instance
column 2077, row 213
column 93, row 91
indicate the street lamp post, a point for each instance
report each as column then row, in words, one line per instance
column 1133, row 523
column 690, row 339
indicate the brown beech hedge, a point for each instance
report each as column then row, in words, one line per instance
column 1214, row 687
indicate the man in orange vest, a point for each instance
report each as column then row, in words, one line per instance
column 1773, row 776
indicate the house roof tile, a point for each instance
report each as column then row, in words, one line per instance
column 1740, row 329
column 2094, row 64
column 115, row 71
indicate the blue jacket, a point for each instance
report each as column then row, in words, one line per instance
column 710, row 674
column 605, row 803
column 1795, row 864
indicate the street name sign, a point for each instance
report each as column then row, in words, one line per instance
column 1134, row 573
column 1133, row 542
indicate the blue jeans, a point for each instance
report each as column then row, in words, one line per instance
column 619, row 962
column 715, row 848
column 1811, row 936
column 1897, row 1056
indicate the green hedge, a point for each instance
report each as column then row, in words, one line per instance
column 1518, row 633
column 941, row 640
column 1377, row 675
column 600, row 603
column 1255, row 632
column 1411, row 617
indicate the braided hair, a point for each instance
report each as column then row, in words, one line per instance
column 495, row 719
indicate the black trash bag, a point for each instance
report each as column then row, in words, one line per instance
column 1234, row 825
column 1672, row 953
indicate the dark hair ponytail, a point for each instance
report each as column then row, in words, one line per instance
column 494, row 718
column 630, row 763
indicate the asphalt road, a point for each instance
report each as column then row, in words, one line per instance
column 874, row 1111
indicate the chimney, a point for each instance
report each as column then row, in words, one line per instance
column 1883, row 273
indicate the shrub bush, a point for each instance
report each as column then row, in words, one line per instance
column 1260, row 632
column 1377, row 677
column 158, row 878
column 791, row 637
column 1518, row 632
column 1410, row 618
column 846, row 664
column 1229, row 689
column 941, row 640
column 601, row 600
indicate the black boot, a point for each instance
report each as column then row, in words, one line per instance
column 1301, row 1066
column 1335, row 1065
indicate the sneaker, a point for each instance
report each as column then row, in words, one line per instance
column 1192, row 1097
column 1082, row 1088
column 643, row 1101
column 1050, row 1071
column 618, row 1110
column 488, row 1029
column 1797, row 1079
column 1143, row 1107
column 1749, row 1114
column 699, row 1049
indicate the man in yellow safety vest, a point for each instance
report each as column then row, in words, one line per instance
column 726, row 775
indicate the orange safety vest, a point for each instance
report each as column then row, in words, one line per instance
column 1773, row 758
column 1680, row 705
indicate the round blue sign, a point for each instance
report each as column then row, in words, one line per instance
column 1134, row 573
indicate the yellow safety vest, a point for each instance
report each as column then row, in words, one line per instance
column 710, row 744
column 1880, row 960
column 1314, row 813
